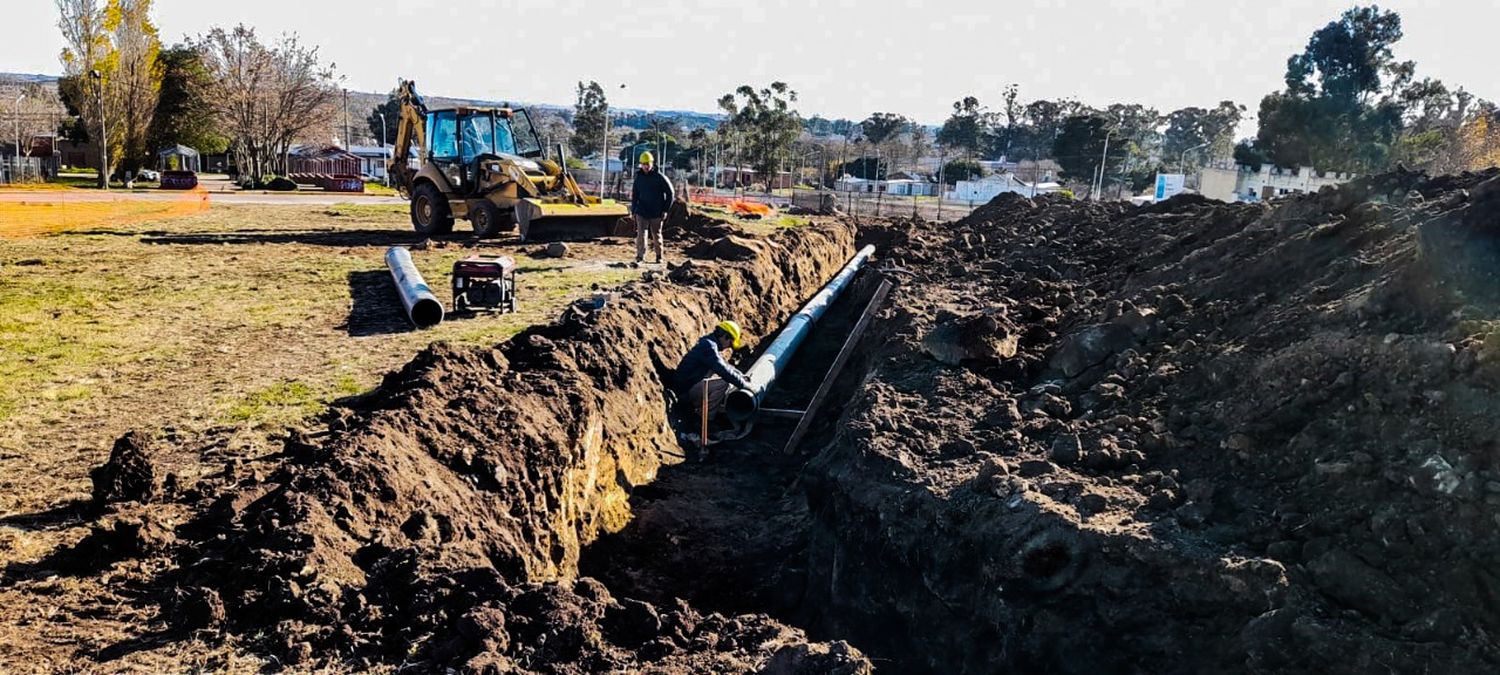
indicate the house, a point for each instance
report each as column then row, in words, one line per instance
column 900, row 183
column 372, row 159
column 1239, row 183
column 742, row 176
column 992, row 186
column 615, row 164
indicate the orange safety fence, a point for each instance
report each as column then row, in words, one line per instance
column 33, row 213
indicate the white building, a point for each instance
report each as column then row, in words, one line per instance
column 1245, row 184
column 372, row 159
column 993, row 186
column 903, row 184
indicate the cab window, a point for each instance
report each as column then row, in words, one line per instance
column 443, row 135
column 478, row 137
column 526, row 144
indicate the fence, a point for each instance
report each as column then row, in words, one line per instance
column 27, row 169
column 854, row 203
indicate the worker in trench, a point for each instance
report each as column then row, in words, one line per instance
column 651, row 197
column 703, row 372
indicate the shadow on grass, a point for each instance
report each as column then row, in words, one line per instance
column 329, row 237
column 375, row 307
column 61, row 516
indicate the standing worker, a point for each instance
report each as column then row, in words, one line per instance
column 691, row 380
column 650, row 198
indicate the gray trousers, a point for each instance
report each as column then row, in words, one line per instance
column 715, row 389
column 648, row 229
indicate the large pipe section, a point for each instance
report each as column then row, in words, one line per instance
column 742, row 404
column 422, row 307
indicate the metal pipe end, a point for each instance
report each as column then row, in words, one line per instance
column 740, row 405
column 426, row 313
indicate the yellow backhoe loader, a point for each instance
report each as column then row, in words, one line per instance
column 486, row 165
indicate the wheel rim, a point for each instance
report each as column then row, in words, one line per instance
column 482, row 220
column 424, row 210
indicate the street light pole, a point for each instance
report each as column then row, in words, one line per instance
column 103, row 129
column 1182, row 165
column 384, row 151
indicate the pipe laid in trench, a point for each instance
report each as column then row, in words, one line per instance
column 742, row 404
column 422, row 306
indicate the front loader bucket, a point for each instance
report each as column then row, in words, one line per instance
column 555, row 221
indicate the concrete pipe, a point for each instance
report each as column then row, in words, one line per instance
column 422, row 306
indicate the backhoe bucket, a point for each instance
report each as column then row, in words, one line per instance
column 554, row 221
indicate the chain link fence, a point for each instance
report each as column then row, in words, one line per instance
column 850, row 202
column 26, row 169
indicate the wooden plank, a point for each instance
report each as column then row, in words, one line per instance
column 838, row 366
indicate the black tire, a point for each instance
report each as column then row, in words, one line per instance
column 430, row 214
column 489, row 220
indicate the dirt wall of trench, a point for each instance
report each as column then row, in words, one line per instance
column 423, row 522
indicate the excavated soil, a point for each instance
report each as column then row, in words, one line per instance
column 1078, row 438
column 439, row 521
column 1190, row 437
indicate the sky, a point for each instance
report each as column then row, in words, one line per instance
column 844, row 58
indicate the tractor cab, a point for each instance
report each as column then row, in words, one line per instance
column 465, row 144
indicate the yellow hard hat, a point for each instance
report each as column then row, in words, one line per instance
column 646, row 158
column 733, row 330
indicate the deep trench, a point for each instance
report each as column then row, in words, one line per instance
column 730, row 534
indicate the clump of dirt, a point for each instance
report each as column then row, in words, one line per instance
column 130, row 474
column 440, row 521
column 1191, row 437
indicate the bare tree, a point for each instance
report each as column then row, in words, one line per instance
column 267, row 96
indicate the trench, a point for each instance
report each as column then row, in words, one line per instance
column 731, row 534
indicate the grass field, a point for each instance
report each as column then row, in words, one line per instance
column 216, row 329
column 230, row 322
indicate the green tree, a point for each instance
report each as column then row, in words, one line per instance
column 962, row 169
column 118, row 42
column 1081, row 144
column 184, row 115
column 967, row 127
column 589, row 122
column 1248, row 153
column 1209, row 130
column 385, row 127
column 765, row 122
column 1340, row 108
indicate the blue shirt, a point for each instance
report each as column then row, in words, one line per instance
column 702, row 359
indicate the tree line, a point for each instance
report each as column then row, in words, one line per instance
column 225, row 90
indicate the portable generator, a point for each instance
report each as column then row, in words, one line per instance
column 484, row 283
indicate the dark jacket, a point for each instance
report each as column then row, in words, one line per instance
column 652, row 194
column 702, row 359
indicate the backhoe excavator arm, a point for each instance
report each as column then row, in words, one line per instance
column 412, row 128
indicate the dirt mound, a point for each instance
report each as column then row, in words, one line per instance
column 130, row 474
column 1193, row 437
column 442, row 519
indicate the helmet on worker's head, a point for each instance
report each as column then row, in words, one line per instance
column 731, row 329
column 647, row 159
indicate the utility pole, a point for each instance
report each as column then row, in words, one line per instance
column 103, row 129
column 1103, row 157
column 348, row 142
column 16, row 161
column 604, row 156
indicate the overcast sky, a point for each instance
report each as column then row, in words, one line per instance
column 846, row 59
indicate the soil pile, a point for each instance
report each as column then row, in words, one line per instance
column 1189, row 437
column 440, row 520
